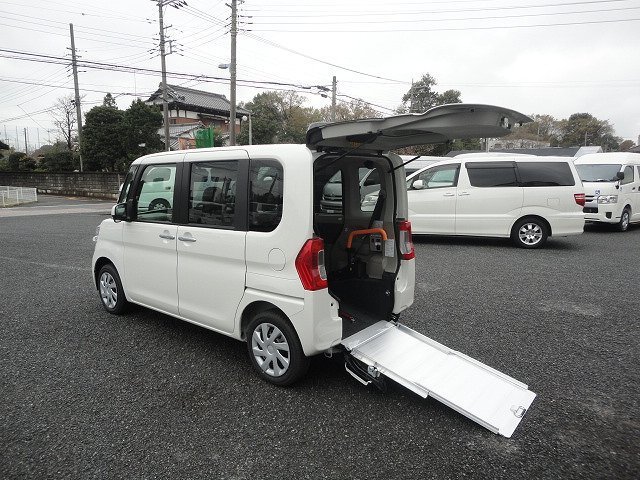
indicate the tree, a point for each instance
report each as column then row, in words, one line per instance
column 353, row 110
column 626, row 145
column 278, row 117
column 109, row 101
column 59, row 161
column 421, row 96
column 14, row 160
column 141, row 125
column 102, row 139
column 449, row 96
column 64, row 118
column 585, row 129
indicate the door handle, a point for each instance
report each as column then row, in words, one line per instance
column 461, row 194
column 167, row 236
column 186, row 239
column 448, row 194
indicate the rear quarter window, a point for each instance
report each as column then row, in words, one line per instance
column 545, row 174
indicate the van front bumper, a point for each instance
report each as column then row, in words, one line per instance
column 601, row 213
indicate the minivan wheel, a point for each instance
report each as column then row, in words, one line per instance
column 159, row 204
column 274, row 349
column 529, row 233
column 623, row 224
column 110, row 290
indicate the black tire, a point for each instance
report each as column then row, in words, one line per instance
column 275, row 364
column 159, row 204
column 110, row 290
column 530, row 232
column 625, row 220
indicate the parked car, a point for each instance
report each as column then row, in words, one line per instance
column 244, row 249
column 525, row 198
column 612, row 187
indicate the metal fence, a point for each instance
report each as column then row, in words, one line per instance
column 16, row 195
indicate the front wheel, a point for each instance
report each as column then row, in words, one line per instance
column 625, row 218
column 110, row 289
column 529, row 233
column 274, row 349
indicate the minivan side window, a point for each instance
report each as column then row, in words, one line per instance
column 438, row 177
column 212, row 193
column 124, row 191
column 545, row 174
column 154, row 201
column 628, row 175
column 266, row 182
column 492, row 174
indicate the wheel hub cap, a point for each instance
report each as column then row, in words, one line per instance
column 270, row 349
column 108, row 290
column 530, row 233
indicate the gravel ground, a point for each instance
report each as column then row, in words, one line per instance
column 84, row 394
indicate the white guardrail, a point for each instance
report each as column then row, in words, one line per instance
column 16, row 195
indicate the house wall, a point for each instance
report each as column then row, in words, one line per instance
column 86, row 184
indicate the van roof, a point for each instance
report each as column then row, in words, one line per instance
column 609, row 158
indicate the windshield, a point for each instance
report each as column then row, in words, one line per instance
column 598, row 173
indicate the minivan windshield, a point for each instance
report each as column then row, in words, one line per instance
column 598, row 173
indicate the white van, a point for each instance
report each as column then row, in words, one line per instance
column 525, row 198
column 246, row 250
column 612, row 187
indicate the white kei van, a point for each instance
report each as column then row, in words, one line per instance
column 526, row 198
column 246, row 249
column 612, row 187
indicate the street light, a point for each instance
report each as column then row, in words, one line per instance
column 244, row 118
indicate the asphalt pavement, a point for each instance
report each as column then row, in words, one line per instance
column 84, row 394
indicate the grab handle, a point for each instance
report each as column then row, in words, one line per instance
column 365, row 232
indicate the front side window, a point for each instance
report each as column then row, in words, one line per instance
column 545, row 174
column 212, row 193
column 628, row 175
column 437, row 177
column 154, row 202
column 124, row 189
column 497, row 174
column 266, row 188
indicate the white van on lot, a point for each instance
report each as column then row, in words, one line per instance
column 612, row 187
column 246, row 249
column 525, row 198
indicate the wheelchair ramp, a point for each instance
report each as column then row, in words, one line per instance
column 486, row 396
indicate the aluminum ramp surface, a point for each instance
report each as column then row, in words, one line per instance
column 486, row 396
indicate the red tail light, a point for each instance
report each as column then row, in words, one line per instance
column 579, row 198
column 310, row 265
column 405, row 242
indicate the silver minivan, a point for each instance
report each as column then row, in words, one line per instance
column 244, row 248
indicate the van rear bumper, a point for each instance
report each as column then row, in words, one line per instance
column 567, row 224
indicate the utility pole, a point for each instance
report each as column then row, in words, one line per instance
column 26, row 145
column 232, row 74
column 165, row 103
column 77, row 89
column 334, row 88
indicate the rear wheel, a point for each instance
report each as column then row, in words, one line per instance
column 625, row 218
column 110, row 290
column 275, row 350
column 529, row 233
column 159, row 204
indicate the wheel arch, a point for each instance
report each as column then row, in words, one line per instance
column 259, row 306
column 100, row 262
column 537, row 217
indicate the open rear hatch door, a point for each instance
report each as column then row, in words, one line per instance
column 486, row 396
column 437, row 125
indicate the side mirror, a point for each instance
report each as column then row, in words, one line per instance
column 418, row 185
column 620, row 175
column 119, row 212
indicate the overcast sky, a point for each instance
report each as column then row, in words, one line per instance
column 554, row 57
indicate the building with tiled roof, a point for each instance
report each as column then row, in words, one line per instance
column 189, row 106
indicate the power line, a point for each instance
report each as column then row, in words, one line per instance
column 454, row 29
